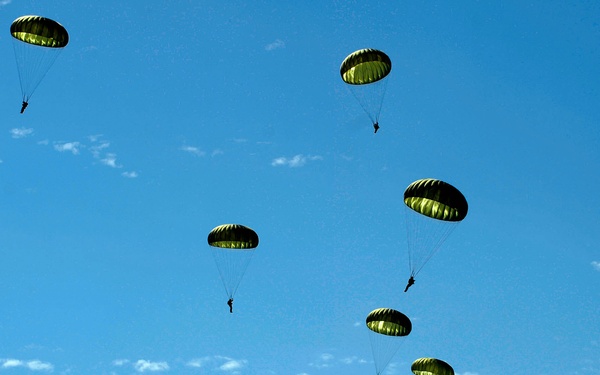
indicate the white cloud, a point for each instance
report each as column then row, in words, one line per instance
column 12, row 363
column 232, row 365
column 132, row 174
column 596, row 265
column 95, row 137
column 5, row 2
column 111, row 161
column 33, row 365
column 44, row 142
column 295, row 161
column 324, row 361
column 468, row 373
column 95, row 150
column 73, row 147
column 21, row 132
column 218, row 362
column 352, row 360
column 216, row 152
column 198, row 362
column 278, row 43
column 193, row 150
column 39, row 366
column 120, row 362
column 143, row 365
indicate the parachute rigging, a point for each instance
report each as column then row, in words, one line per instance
column 433, row 210
column 365, row 71
column 232, row 246
column 37, row 42
column 386, row 327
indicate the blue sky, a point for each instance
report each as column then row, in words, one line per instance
column 161, row 120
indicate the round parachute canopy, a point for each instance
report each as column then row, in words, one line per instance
column 39, row 31
column 365, row 66
column 389, row 322
column 431, row 366
column 436, row 199
column 233, row 236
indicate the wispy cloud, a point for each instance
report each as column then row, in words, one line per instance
column 193, row 150
column 5, row 2
column 72, row 147
column 143, row 366
column 596, row 265
column 353, row 360
column 199, row 362
column 132, row 174
column 33, row 365
column 20, row 132
column 221, row 363
column 325, row 360
column 278, row 43
column 120, row 362
column 96, row 149
column 468, row 373
column 295, row 161
column 232, row 365
column 111, row 161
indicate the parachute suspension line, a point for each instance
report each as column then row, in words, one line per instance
column 232, row 265
column 436, row 247
column 425, row 238
column 383, row 91
column 33, row 63
column 370, row 97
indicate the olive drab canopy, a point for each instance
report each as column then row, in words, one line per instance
column 431, row 366
column 40, row 31
column 389, row 322
column 37, row 42
column 365, row 72
column 436, row 199
column 365, row 66
column 386, row 327
column 233, row 236
column 433, row 209
column 232, row 247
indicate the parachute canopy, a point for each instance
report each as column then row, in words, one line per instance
column 436, row 199
column 431, row 366
column 37, row 42
column 389, row 322
column 388, row 328
column 233, row 236
column 365, row 66
column 39, row 31
column 433, row 210
column 232, row 247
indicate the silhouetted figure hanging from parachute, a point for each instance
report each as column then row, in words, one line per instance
column 37, row 42
column 365, row 71
column 411, row 282
column 433, row 209
column 232, row 247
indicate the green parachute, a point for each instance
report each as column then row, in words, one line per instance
column 386, row 327
column 433, row 210
column 232, row 247
column 37, row 42
column 431, row 366
column 365, row 71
